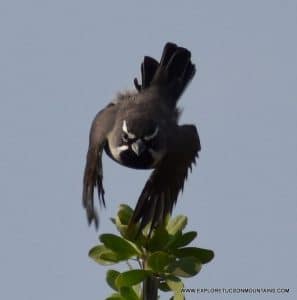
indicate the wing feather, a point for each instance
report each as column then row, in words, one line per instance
column 93, row 173
column 161, row 191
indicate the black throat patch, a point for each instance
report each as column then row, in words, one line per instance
column 129, row 159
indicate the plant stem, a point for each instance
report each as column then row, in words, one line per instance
column 150, row 288
column 150, row 285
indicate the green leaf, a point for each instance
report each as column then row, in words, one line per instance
column 111, row 277
column 159, row 239
column 183, row 240
column 146, row 230
column 131, row 277
column 185, row 267
column 177, row 224
column 104, row 256
column 163, row 286
column 137, row 288
column 124, row 215
column 110, row 256
column 178, row 296
column 204, row 255
column 122, row 229
column 174, row 283
column 128, row 293
column 115, row 296
column 123, row 247
column 157, row 261
column 129, row 232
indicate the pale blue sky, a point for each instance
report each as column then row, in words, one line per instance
column 62, row 61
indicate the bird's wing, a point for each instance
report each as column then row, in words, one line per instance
column 93, row 173
column 162, row 188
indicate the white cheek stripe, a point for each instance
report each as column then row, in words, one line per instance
column 122, row 148
column 125, row 129
column 149, row 137
column 116, row 151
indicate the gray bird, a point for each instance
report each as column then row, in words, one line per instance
column 140, row 130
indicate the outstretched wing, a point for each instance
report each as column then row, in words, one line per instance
column 162, row 188
column 93, row 174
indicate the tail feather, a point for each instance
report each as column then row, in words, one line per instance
column 148, row 70
column 171, row 75
column 178, row 63
column 168, row 51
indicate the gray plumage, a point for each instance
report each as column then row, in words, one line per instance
column 140, row 130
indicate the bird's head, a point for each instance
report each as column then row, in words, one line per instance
column 141, row 144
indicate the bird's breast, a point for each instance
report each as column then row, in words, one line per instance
column 126, row 157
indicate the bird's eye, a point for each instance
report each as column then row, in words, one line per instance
column 152, row 135
column 125, row 137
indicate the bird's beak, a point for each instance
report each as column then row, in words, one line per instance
column 138, row 147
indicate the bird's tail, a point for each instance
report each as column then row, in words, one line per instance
column 171, row 76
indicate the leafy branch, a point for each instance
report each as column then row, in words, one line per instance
column 162, row 258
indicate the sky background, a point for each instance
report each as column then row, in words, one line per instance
column 62, row 61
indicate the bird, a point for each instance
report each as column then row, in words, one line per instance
column 140, row 129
